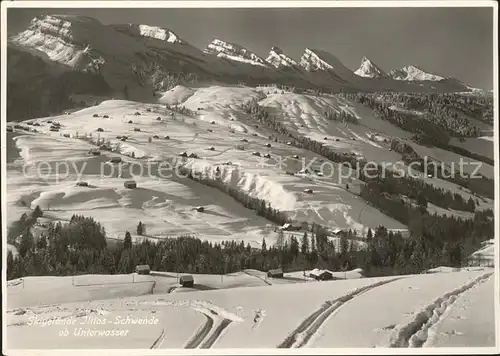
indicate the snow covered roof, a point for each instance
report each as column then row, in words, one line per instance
column 275, row 271
column 318, row 272
column 285, row 226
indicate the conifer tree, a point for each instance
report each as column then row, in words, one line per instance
column 127, row 242
column 304, row 248
column 37, row 212
column 313, row 244
column 369, row 236
column 280, row 240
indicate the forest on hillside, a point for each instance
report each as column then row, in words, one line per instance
column 81, row 246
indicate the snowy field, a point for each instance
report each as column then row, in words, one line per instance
column 46, row 290
column 224, row 138
column 404, row 311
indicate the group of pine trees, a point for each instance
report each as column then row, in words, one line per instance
column 180, row 110
column 479, row 107
column 341, row 116
column 437, row 233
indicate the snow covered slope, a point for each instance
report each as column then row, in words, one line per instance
column 411, row 311
column 369, row 69
column 220, row 123
column 406, row 319
column 466, row 319
column 369, row 139
column 219, row 132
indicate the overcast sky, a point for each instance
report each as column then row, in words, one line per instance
column 455, row 42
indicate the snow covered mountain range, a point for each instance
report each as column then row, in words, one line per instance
column 410, row 72
column 368, row 69
column 132, row 54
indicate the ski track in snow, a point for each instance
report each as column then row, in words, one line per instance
column 217, row 332
column 217, row 321
column 260, row 278
column 201, row 333
column 302, row 335
column 416, row 333
column 158, row 342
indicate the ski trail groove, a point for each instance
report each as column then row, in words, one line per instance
column 303, row 333
column 416, row 332
column 157, row 343
column 201, row 334
column 217, row 322
column 262, row 279
column 216, row 334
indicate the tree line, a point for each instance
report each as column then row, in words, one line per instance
column 479, row 107
column 448, row 111
column 81, row 247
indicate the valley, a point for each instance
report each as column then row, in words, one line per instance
column 228, row 199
